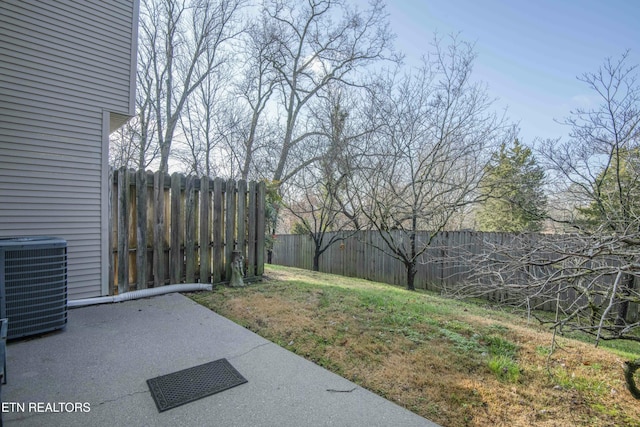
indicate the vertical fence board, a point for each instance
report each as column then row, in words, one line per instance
column 167, row 231
column 123, row 231
column 205, row 231
column 251, row 230
column 150, row 228
column 190, row 209
column 158, row 229
column 132, row 232
column 261, row 229
column 241, row 215
column 141, row 229
column 230, row 226
column 218, row 218
column 175, row 265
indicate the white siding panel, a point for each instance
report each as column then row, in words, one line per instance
column 43, row 101
column 43, row 105
column 13, row 173
column 50, row 184
column 83, row 46
column 76, row 89
column 39, row 131
column 95, row 52
column 79, row 18
column 45, row 155
column 62, row 65
column 84, row 80
column 11, row 181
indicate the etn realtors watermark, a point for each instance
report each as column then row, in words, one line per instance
column 45, row 407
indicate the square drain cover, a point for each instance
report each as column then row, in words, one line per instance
column 191, row 384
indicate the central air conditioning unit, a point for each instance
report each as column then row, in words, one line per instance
column 33, row 284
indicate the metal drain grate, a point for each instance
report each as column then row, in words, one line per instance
column 191, row 384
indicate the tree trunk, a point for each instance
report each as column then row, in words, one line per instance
column 627, row 285
column 316, row 261
column 411, row 266
column 411, row 275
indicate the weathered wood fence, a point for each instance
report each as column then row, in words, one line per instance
column 202, row 222
column 451, row 259
column 357, row 256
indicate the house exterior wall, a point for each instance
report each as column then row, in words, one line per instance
column 67, row 77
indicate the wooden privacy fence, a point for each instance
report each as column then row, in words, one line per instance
column 357, row 256
column 200, row 223
column 452, row 258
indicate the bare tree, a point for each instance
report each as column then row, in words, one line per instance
column 431, row 152
column 306, row 46
column 601, row 165
column 203, row 126
column 184, row 44
column 255, row 87
column 318, row 197
column 122, row 147
column 317, row 42
column 315, row 207
column 134, row 145
column 591, row 272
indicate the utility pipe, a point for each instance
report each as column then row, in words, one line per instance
column 142, row 293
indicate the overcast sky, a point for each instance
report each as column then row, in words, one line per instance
column 529, row 51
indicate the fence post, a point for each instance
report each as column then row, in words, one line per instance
column 123, row 231
column 112, row 218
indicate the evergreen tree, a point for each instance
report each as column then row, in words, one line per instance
column 615, row 201
column 512, row 185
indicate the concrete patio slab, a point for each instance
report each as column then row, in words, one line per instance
column 94, row 373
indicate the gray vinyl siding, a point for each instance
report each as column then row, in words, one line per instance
column 63, row 64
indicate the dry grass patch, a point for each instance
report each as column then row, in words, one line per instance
column 454, row 363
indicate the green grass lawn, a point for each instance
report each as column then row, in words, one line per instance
column 453, row 362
